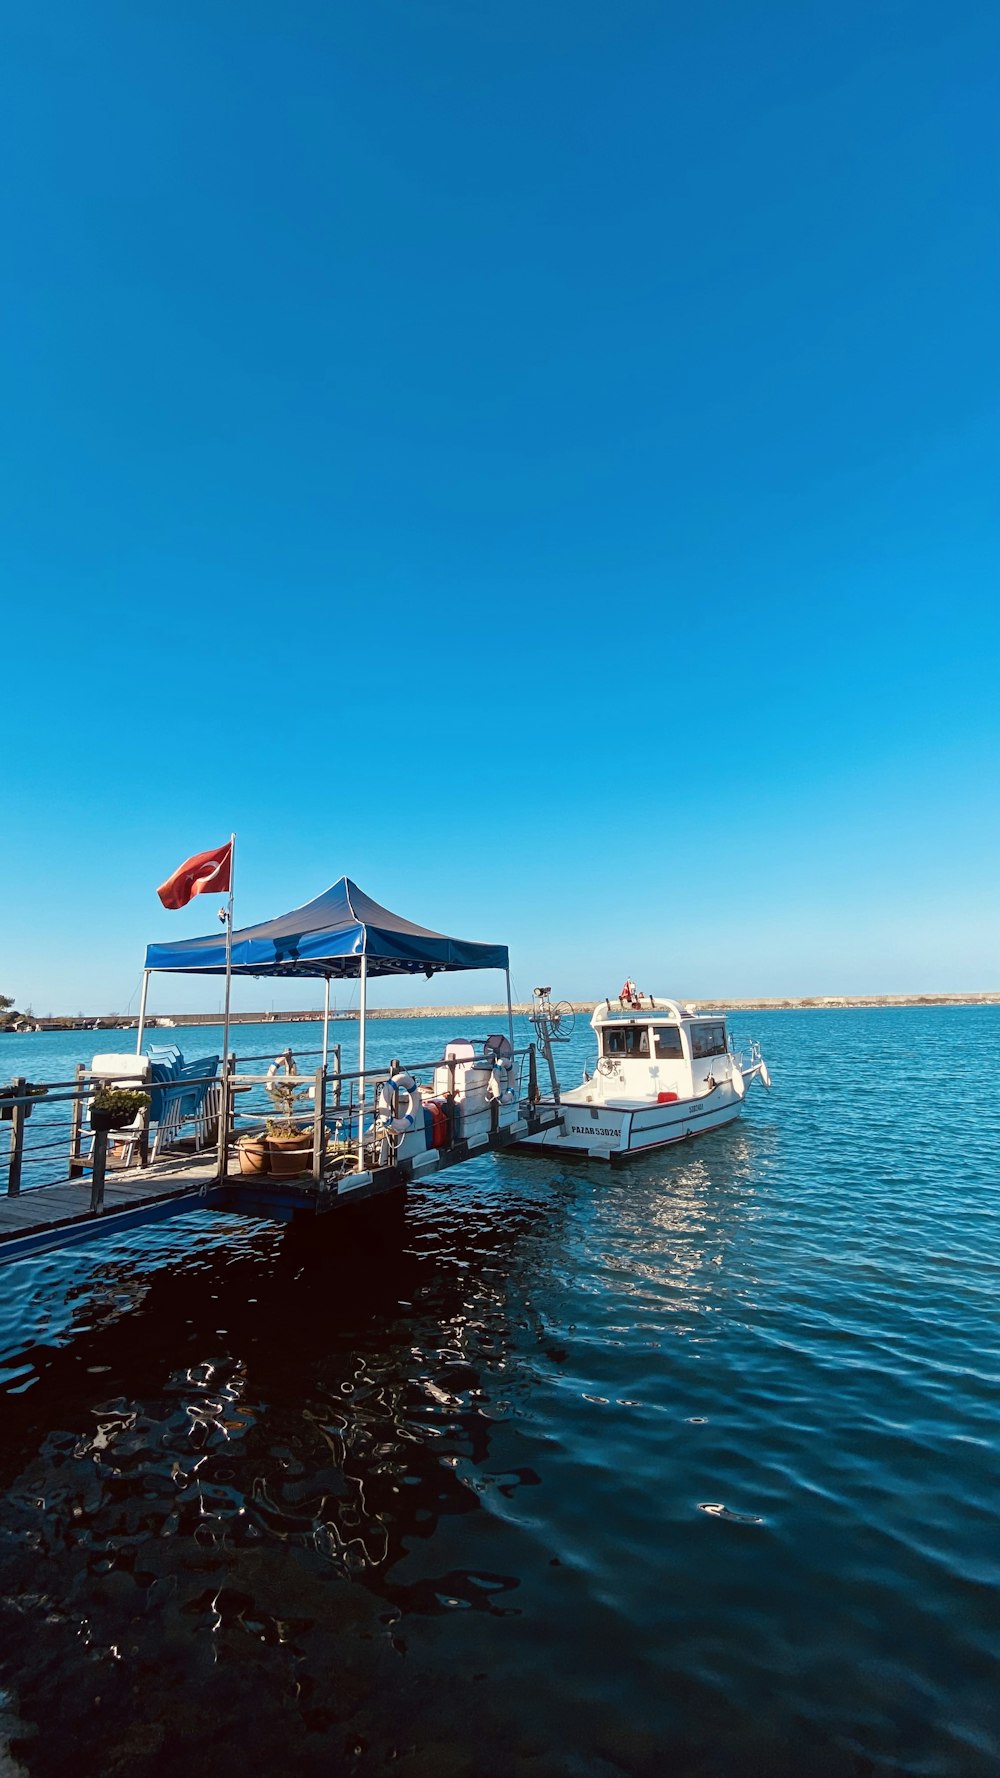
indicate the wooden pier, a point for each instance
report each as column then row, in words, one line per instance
column 68, row 1210
column 60, row 1213
column 356, row 1134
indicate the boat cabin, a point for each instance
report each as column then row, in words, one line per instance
column 666, row 1052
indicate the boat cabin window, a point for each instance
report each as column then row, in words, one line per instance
column 708, row 1040
column 626, row 1040
column 668, row 1042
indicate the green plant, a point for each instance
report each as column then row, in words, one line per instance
column 121, row 1103
column 28, row 1092
column 284, row 1127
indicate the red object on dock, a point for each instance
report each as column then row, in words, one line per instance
column 439, row 1123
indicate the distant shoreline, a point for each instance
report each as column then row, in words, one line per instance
column 496, row 1009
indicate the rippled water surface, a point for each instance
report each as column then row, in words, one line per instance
column 691, row 1468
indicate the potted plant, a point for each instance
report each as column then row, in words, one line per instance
column 9, row 1094
column 288, row 1145
column 113, row 1108
column 252, row 1149
column 289, row 1148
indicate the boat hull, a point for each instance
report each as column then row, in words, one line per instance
column 618, row 1132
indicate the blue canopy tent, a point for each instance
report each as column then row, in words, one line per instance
column 343, row 933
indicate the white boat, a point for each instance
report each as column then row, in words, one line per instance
column 664, row 1072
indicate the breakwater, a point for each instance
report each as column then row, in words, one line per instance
column 762, row 1003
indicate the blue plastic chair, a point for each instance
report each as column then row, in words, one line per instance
column 188, row 1104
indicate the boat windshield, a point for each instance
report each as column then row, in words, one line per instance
column 626, row 1040
column 708, row 1040
column 668, row 1042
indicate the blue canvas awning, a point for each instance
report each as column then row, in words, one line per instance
column 329, row 937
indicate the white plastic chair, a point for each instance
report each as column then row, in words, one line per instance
column 114, row 1070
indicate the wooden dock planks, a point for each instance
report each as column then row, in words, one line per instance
column 65, row 1204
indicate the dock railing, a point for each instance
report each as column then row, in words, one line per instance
column 51, row 1139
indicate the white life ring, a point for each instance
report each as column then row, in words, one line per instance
column 498, row 1086
column 284, row 1065
column 392, row 1118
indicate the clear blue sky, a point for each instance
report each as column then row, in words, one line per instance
column 541, row 460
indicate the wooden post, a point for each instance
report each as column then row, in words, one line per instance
column 532, row 1077
column 16, row 1141
column 100, row 1162
column 319, row 1125
column 144, row 1135
column 76, row 1126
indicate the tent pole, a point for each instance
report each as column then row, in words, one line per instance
column 326, row 1019
column 510, row 1009
column 142, row 1012
column 362, row 1014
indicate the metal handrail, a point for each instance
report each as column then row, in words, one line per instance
column 325, row 1109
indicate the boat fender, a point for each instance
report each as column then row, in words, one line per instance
column 392, row 1118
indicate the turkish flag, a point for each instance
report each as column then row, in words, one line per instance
column 206, row 870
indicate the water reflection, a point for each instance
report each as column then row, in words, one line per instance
column 545, row 1475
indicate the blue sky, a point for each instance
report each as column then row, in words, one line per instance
column 539, row 460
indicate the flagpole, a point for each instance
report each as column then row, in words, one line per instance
column 142, row 1012
column 229, row 951
column 225, row 1103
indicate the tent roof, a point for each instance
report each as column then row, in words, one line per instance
column 329, row 937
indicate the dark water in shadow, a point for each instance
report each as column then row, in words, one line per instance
column 691, row 1468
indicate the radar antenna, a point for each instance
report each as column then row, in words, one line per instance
column 553, row 1024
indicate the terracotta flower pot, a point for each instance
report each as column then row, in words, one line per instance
column 254, row 1157
column 290, row 1155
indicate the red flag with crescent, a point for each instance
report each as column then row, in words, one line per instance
column 205, row 871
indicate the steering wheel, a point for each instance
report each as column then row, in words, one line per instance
column 606, row 1065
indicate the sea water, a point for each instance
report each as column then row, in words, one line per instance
column 687, row 1468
